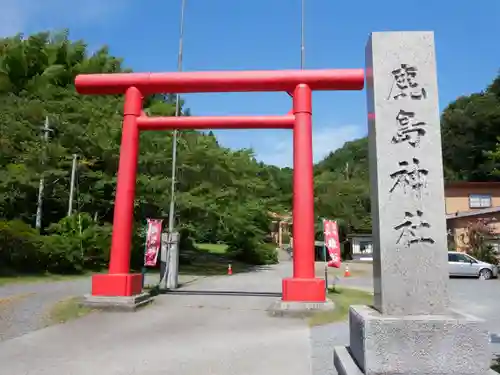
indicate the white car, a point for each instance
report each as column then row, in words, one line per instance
column 461, row 264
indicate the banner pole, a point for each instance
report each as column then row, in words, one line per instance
column 325, row 259
column 144, row 257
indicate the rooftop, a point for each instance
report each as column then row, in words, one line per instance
column 482, row 211
column 471, row 184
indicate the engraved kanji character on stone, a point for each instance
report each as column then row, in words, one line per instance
column 405, row 84
column 408, row 128
column 410, row 176
column 411, row 229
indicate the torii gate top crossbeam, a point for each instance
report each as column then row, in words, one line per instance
column 220, row 81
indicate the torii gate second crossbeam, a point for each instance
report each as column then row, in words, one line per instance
column 303, row 286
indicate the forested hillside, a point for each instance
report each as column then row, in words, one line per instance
column 223, row 195
column 471, row 152
column 341, row 187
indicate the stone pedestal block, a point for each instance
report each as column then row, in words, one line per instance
column 299, row 309
column 117, row 303
column 414, row 344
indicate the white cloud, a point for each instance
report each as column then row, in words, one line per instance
column 18, row 15
column 325, row 140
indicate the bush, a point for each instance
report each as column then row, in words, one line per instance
column 495, row 366
column 77, row 243
column 246, row 228
column 20, row 248
column 285, row 238
column 267, row 253
column 250, row 250
column 73, row 245
column 187, row 246
column 485, row 253
column 138, row 246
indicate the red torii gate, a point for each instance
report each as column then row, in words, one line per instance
column 303, row 286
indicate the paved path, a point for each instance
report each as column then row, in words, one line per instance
column 189, row 333
column 212, row 326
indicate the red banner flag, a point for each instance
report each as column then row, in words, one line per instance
column 153, row 242
column 332, row 243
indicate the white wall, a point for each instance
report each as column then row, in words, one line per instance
column 357, row 242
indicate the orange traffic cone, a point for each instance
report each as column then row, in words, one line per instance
column 346, row 272
column 229, row 269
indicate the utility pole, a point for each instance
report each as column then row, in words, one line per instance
column 45, row 137
column 171, row 274
column 72, row 185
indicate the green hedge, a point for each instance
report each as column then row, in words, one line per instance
column 73, row 245
column 77, row 244
column 21, row 248
column 251, row 250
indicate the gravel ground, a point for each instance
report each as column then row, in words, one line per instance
column 25, row 307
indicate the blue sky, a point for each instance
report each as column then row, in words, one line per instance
column 265, row 34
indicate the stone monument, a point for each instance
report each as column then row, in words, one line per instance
column 410, row 328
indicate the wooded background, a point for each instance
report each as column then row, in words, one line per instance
column 223, row 195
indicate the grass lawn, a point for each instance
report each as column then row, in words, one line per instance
column 213, row 248
column 356, row 270
column 211, row 260
column 343, row 298
column 4, row 280
column 340, row 272
column 66, row 310
column 211, row 265
column 211, row 268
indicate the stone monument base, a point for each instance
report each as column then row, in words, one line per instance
column 449, row 344
column 299, row 309
column 119, row 303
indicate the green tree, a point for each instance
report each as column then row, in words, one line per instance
column 470, row 131
column 220, row 192
column 342, row 187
